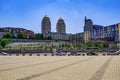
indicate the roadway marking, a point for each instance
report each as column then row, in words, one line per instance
column 100, row 72
column 36, row 64
column 53, row 70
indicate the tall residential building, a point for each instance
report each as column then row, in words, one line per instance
column 61, row 27
column 109, row 33
column 88, row 28
column 112, row 33
column 45, row 25
column 98, row 32
column 88, row 25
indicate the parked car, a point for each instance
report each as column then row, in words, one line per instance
column 4, row 53
column 73, row 53
column 61, row 52
column 91, row 53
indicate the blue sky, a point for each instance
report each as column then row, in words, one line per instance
column 29, row 13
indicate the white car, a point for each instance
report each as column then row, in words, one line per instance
column 4, row 53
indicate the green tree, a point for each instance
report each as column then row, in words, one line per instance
column 21, row 35
column 49, row 38
column 8, row 35
column 1, row 47
column 39, row 36
column 4, row 42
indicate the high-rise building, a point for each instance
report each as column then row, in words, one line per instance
column 88, row 25
column 61, row 27
column 112, row 33
column 88, row 28
column 45, row 25
column 98, row 32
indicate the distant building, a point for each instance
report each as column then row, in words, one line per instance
column 112, row 33
column 98, row 32
column 88, row 25
column 2, row 34
column 60, row 33
column 45, row 25
column 72, row 38
column 58, row 36
column 61, row 27
column 109, row 33
column 87, row 36
column 78, row 37
column 15, row 31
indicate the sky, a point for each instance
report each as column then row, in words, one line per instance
column 28, row 14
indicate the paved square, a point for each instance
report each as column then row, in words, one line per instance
column 59, row 67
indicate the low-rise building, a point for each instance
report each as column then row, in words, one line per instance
column 87, row 36
column 15, row 31
column 112, row 33
column 57, row 36
column 78, row 37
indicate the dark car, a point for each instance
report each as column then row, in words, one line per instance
column 91, row 53
column 73, row 53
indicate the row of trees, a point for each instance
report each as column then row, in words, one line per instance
column 20, row 35
column 40, row 37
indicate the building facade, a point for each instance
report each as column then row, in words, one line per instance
column 58, row 36
column 112, row 33
column 15, row 31
column 61, row 27
column 109, row 33
column 88, row 24
column 78, row 37
column 45, row 25
column 60, row 33
column 98, row 32
column 88, row 29
column 87, row 36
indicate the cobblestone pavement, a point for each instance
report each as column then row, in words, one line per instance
column 59, row 68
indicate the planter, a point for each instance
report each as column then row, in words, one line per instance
column 30, row 54
column 52, row 54
column 38, row 54
column 45, row 54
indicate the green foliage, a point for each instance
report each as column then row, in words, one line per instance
column 49, row 38
column 21, row 35
column 56, row 45
column 4, row 42
column 1, row 47
column 39, row 36
column 8, row 35
column 96, row 44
